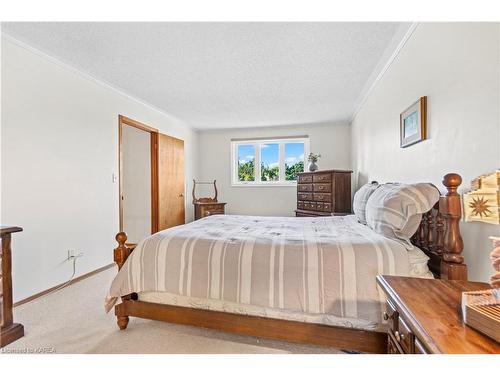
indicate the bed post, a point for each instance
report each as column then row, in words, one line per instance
column 121, row 254
column 450, row 207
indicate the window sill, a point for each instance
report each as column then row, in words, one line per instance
column 257, row 184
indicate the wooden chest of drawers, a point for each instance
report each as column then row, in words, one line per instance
column 423, row 316
column 324, row 193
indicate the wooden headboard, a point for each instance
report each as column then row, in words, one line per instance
column 439, row 233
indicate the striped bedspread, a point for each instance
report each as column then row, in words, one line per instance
column 321, row 265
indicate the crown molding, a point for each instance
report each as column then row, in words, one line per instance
column 390, row 54
column 392, row 51
column 89, row 77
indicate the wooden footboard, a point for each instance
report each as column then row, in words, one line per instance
column 278, row 329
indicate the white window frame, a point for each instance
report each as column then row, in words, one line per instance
column 257, row 143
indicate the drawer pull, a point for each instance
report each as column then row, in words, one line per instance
column 399, row 336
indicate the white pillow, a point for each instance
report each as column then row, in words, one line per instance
column 361, row 198
column 395, row 210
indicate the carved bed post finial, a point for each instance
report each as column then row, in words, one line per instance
column 121, row 237
column 215, row 188
column 452, row 266
column 452, row 181
column 122, row 251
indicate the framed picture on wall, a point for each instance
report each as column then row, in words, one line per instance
column 413, row 123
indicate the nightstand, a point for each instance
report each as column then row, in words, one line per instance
column 424, row 316
column 202, row 209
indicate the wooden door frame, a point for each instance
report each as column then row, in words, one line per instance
column 123, row 121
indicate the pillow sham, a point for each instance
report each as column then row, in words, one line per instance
column 361, row 198
column 395, row 210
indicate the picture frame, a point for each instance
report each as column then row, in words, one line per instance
column 413, row 123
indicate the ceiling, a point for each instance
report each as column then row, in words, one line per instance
column 225, row 75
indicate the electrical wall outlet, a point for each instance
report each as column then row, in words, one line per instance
column 74, row 254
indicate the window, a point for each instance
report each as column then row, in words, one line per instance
column 246, row 163
column 268, row 161
column 294, row 160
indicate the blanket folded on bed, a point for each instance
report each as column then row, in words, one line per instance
column 324, row 265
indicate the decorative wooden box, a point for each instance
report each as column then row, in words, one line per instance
column 481, row 311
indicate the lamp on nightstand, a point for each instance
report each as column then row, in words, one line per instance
column 481, row 309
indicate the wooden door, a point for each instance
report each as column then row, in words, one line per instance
column 171, row 196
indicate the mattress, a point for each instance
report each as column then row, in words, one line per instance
column 319, row 269
column 418, row 268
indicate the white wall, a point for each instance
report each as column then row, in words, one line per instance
column 59, row 151
column 457, row 66
column 136, row 169
column 332, row 141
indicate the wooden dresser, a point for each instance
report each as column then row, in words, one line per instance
column 324, row 193
column 424, row 316
column 9, row 331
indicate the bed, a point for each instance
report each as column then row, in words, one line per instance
column 297, row 279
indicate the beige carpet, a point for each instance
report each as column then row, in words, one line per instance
column 72, row 320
